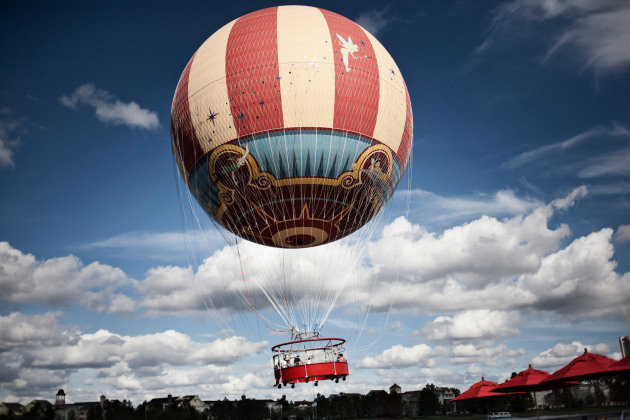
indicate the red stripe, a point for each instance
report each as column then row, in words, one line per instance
column 183, row 137
column 357, row 90
column 251, row 67
column 405, row 144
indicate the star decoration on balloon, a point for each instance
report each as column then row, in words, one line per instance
column 212, row 116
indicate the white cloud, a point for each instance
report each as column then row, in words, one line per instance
column 432, row 207
column 564, row 203
column 623, row 233
column 38, row 353
column 56, row 281
column 610, row 188
column 580, row 281
column 374, row 21
column 596, row 31
column 478, row 264
column 469, row 267
column 609, row 164
column 108, row 109
column 561, row 354
column 142, row 354
column 399, row 356
column 595, row 133
column 484, row 356
column 395, row 326
column 483, row 250
column 158, row 241
column 600, row 37
column 19, row 331
column 480, row 324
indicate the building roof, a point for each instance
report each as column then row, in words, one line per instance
column 377, row 391
column 41, row 402
column 13, row 406
column 164, row 400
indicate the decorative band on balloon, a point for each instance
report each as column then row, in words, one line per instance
column 290, row 203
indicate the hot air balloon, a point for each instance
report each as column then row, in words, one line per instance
column 291, row 127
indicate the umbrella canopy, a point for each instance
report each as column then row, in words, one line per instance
column 479, row 390
column 530, row 380
column 585, row 366
column 621, row 366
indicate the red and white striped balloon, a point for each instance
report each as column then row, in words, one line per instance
column 291, row 126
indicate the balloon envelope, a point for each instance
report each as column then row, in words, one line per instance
column 291, row 126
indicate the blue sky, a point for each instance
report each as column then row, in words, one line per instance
column 506, row 243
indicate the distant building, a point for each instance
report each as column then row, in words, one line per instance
column 411, row 403
column 376, row 392
column 624, row 343
column 445, row 395
column 43, row 405
column 60, row 398
column 165, row 403
column 395, row 389
column 302, row 405
column 162, row 403
column 194, row 402
column 78, row 411
column 7, row 408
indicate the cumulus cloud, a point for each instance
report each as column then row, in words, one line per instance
column 474, row 252
column 399, row 356
column 19, row 331
column 104, row 348
column 482, row 355
column 561, row 354
column 57, row 281
column 480, row 324
column 580, row 281
column 108, row 109
column 170, row 290
column 595, row 31
column 478, row 264
column 374, row 21
column 38, row 353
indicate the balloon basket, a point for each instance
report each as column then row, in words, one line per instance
column 310, row 360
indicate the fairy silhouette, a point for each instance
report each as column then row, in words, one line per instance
column 348, row 49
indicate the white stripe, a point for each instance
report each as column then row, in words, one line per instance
column 207, row 92
column 305, row 56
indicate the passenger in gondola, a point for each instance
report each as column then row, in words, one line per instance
column 296, row 361
column 340, row 358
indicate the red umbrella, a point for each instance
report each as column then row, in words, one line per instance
column 530, row 380
column 479, row 390
column 585, row 366
column 621, row 366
